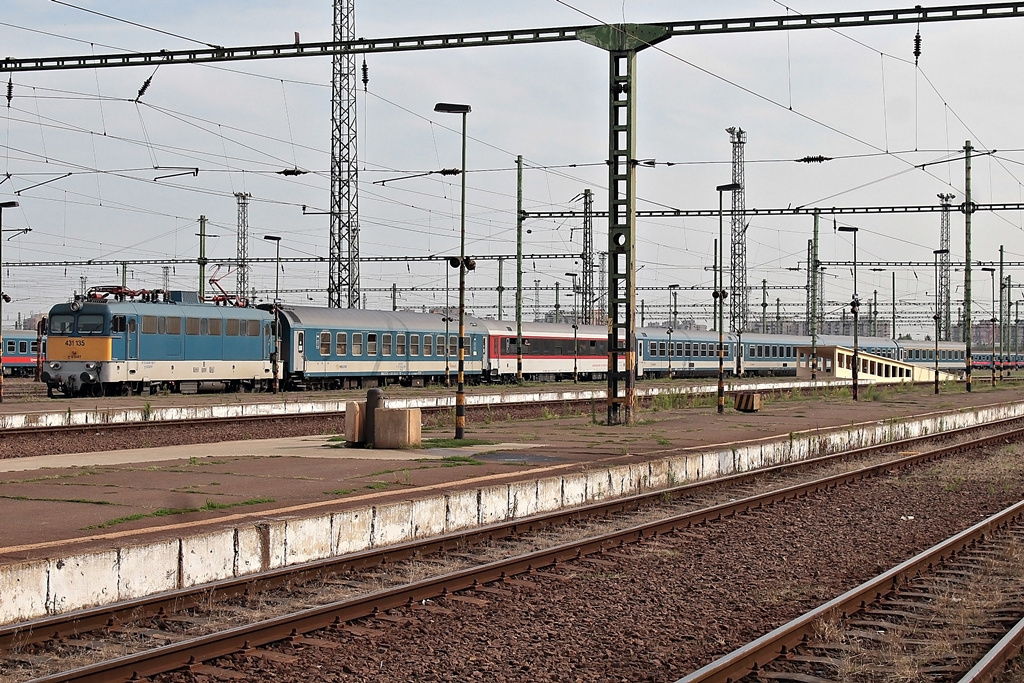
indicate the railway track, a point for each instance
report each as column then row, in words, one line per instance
column 131, row 618
column 958, row 603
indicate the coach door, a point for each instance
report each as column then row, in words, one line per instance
column 298, row 355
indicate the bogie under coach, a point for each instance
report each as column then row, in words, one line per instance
column 169, row 341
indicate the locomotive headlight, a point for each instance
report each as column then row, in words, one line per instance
column 90, row 366
column 54, row 365
column 88, row 378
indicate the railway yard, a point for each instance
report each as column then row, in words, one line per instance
column 687, row 546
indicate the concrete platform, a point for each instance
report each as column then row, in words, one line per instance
column 89, row 528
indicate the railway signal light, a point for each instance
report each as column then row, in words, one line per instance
column 456, row 261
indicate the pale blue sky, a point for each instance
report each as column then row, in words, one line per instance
column 239, row 122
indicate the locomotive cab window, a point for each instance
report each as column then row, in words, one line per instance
column 117, row 324
column 90, row 324
column 61, row 324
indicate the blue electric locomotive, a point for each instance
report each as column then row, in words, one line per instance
column 97, row 346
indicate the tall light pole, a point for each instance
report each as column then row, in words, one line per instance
column 992, row 272
column 3, row 297
column 275, row 358
column 938, row 315
column 460, row 391
column 854, row 308
column 670, row 349
column 575, row 331
column 720, row 295
column 673, row 304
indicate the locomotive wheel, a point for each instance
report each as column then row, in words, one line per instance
column 96, row 390
column 126, row 390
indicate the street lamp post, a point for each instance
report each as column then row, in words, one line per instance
column 460, row 391
column 575, row 330
column 673, row 303
column 938, row 316
column 670, row 348
column 275, row 357
column 720, row 295
column 992, row 320
column 3, row 297
column 854, row 308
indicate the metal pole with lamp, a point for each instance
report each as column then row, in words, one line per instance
column 460, row 391
column 938, row 316
column 575, row 331
column 992, row 320
column 3, row 297
column 720, row 295
column 670, row 349
column 854, row 308
column 673, row 304
column 275, row 357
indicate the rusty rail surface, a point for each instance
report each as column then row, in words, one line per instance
column 996, row 659
column 195, row 650
column 775, row 644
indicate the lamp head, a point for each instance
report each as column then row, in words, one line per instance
column 449, row 108
column 847, row 228
column 9, row 205
column 272, row 238
column 730, row 187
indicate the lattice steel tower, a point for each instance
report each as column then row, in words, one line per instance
column 945, row 303
column 343, row 285
column 588, row 258
column 242, row 256
column 739, row 295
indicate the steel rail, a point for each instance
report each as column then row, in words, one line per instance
column 996, row 659
column 81, row 621
column 775, row 644
column 181, row 654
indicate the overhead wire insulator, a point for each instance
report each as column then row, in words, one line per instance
column 816, row 159
column 366, row 74
column 917, row 46
column 144, row 88
column 10, row 90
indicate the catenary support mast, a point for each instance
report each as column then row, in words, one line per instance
column 343, row 286
column 739, row 297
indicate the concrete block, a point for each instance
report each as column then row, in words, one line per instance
column 148, row 569
column 207, row 557
column 307, row 539
column 252, row 549
column 355, row 418
column 351, row 530
column 598, row 485
column 463, row 510
column 277, row 541
column 621, row 481
column 694, row 467
column 494, row 504
column 657, row 475
column 23, row 591
column 397, row 428
column 429, row 516
column 549, row 494
column 392, row 523
column 82, row 581
column 725, row 463
column 574, row 489
column 709, row 465
column 522, row 499
column 676, row 471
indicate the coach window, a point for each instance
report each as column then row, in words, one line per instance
column 662, row 349
column 341, row 343
column 117, row 323
column 385, row 344
column 400, row 345
column 414, row 344
column 215, row 326
column 428, row 345
column 440, row 347
column 149, row 324
column 325, row 343
column 453, row 345
column 35, row 347
column 357, row 344
column 10, row 346
column 22, row 347
column 371, row 343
